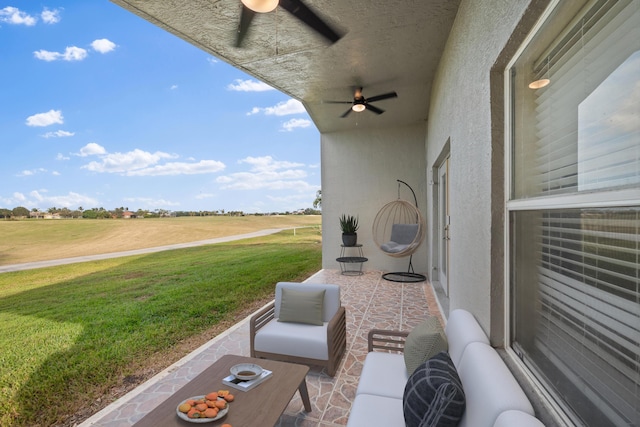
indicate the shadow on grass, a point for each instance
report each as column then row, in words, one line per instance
column 126, row 314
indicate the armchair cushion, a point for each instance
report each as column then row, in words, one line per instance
column 423, row 342
column 294, row 339
column 332, row 302
column 302, row 306
column 433, row 395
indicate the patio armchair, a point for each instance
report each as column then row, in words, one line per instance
column 306, row 324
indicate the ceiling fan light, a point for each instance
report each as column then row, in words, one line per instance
column 261, row 6
column 538, row 84
column 358, row 108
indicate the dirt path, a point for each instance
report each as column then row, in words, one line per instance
column 62, row 261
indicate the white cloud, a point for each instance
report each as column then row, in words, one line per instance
column 69, row 200
column 173, row 87
column 55, row 173
column 143, row 163
column 58, row 134
column 61, row 156
column 211, row 60
column 50, row 16
column 291, row 106
column 125, row 163
column 205, row 196
column 296, row 123
column 266, row 173
column 13, row 15
column 31, row 172
column 92, row 149
column 298, row 198
column 151, row 203
column 103, row 45
column 249, row 86
column 19, row 196
column 45, row 119
column 180, row 168
column 266, row 163
column 71, row 53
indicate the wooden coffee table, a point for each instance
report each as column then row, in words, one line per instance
column 261, row 406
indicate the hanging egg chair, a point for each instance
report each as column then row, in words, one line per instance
column 398, row 230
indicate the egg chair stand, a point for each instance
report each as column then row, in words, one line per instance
column 398, row 230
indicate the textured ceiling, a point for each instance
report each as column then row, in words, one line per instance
column 389, row 45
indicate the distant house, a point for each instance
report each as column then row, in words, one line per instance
column 127, row 214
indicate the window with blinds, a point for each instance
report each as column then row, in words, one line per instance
column 574, row 249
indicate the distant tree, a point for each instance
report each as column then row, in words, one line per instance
column 317, row 203
column 5, row 213
column 117, row 212
column 20, row 211
column 66, row 213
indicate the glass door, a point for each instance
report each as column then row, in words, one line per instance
column 444, row 223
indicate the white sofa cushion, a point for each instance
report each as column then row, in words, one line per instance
column 376, row 411
column 462, row 329
column 294, row 339
column 331, row 297
column 517, row 419
column 489, row 387
column 383, row 374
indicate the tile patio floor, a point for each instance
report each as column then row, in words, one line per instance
column 370, row 302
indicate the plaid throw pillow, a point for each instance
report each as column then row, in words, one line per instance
column 433, row 395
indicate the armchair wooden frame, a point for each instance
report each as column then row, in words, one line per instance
column 336, row 340
column 386, row 340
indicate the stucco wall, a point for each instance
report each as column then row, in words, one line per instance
column 359, row 173
column 461, row 112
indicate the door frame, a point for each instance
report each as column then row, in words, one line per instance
column 441, row 219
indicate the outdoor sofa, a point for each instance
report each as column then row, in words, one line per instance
column 491, row 395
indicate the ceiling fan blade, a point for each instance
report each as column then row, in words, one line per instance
column 383, row 96
column 373, row 109
column 298, row 9
column 246, row 16
column 345, row 114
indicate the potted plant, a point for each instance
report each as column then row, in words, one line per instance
column 349, row 226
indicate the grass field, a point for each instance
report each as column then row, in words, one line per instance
column 40, row 240
column 76, row 336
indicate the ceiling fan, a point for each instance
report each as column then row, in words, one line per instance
column 360, row 103
column 295, row 7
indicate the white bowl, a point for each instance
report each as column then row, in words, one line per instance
column 246, row 371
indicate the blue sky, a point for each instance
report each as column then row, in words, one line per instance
column 99, row 108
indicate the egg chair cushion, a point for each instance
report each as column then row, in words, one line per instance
column 402, row 237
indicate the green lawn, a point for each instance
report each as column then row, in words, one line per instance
column 69, row 334
column 38, row 240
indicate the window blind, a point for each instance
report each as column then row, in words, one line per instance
column 575, row 273
column 587, row 121
column 587, row 328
